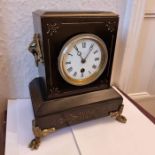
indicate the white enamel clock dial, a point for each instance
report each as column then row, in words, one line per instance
column 82, row 59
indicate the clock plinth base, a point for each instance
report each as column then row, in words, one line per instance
column 51, row 115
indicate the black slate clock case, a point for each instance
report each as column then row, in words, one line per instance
column 55, row 29
column 55, row 102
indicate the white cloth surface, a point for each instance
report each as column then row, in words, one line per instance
column 19, row 133
column 103, row 136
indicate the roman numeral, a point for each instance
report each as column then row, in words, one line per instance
column 70, row 69
column 83, row 44
column 68, row 62
column 75, row 73
column 97, row 59
column 94, row 66
column 91, row 47
column 95, row 51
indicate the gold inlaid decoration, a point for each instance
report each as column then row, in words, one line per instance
column 111, row 25
column 52, row 28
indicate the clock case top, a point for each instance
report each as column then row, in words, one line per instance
column 54, row 29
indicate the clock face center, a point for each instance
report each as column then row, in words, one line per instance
column 82, row 59
column 82, row 70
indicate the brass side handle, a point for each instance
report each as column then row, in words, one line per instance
column 35, row 49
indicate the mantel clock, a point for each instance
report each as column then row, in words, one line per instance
column 74, row 53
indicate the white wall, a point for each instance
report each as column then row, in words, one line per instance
column 17, row 67
column 143, row 75
column 145, row 59
column 150, row 8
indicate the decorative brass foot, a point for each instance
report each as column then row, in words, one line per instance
column 38, row 133
column 117, row 115
column 121, row 119
column 34, row 144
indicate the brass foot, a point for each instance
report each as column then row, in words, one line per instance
column 39, row 133
column 117, row 115
column 121, row 119
column 34, row 144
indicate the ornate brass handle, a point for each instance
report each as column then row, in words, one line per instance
column 35, row 49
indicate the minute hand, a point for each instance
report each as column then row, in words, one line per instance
column 90, row 49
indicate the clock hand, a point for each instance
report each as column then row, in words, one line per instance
column 79, row 54
column 90, row 49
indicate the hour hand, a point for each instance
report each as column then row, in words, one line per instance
column 78, row 52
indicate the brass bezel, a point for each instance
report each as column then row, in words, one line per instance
column 99, row 71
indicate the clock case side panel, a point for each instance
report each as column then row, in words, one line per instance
column 56, row 31
column 42, row 69
column 112, row 44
